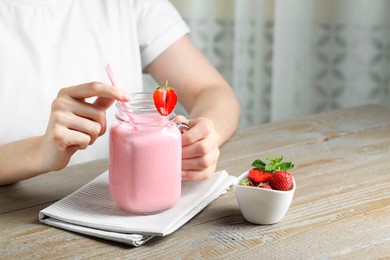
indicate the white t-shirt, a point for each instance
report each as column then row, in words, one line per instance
column 46, row 45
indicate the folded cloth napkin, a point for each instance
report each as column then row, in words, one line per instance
column 90, row 210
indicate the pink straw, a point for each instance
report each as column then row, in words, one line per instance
column 114, row 82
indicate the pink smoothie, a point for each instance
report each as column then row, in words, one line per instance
column 145, row 167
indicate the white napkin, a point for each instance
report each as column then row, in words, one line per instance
column 91, row 211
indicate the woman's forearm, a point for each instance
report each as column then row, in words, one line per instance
column 224, row 114
column 19, row 160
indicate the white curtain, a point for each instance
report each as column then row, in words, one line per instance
column 287, row 58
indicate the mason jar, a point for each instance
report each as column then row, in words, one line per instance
column 144, row 157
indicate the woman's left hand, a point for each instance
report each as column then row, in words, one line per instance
column 200, row 149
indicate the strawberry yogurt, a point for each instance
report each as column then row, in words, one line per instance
column 144, row 158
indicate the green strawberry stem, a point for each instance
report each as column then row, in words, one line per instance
column 166, row 86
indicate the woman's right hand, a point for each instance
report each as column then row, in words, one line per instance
column 75, row 123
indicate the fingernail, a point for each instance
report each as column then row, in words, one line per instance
column 126, row 96
column 183, row 127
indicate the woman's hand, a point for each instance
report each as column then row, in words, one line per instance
column 75, row 123
column 200, row 148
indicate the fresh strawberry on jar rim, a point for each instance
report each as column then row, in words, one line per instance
column 165, row 99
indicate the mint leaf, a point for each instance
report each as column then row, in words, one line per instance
column 275, row 160
column 275, row 164
column 286, row 166
column 259, row 164
column 269, row 167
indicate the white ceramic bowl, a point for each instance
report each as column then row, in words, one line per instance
column 262, row 206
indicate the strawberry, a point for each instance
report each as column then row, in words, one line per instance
column 281, row 180
column 272, row 175
column 165, row 99
column 257, row 175
column 264, row 186
column 246, row 182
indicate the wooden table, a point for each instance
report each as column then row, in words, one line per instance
column 341, row 207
